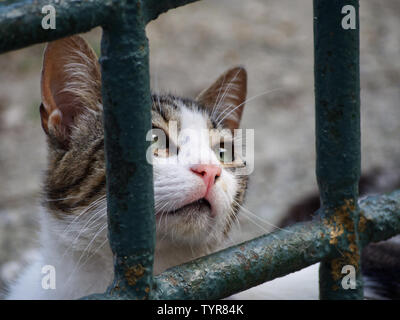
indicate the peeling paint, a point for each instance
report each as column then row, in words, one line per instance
column 134, row 273
column 362, row 222
column 340, row 221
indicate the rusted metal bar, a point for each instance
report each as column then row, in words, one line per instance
column 21, row 21
column 130, row 201
column 337, row 104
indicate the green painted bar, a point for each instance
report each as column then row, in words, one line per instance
column 337, row 102
column 274, row 255
column 126, row 98
column 130, row 201
column 237, row 268
column 382, row 217
column 21, row 21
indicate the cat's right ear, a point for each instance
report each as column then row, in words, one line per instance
column 70, row 86
column 226, row 97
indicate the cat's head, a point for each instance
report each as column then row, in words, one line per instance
column 197, row 193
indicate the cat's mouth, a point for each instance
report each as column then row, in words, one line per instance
column 200, row 206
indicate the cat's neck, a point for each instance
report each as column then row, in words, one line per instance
column 75, row 274
column 79, row 273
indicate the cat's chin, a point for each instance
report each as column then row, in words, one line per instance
column 199, row 207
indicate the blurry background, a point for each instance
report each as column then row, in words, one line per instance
column 190, row 47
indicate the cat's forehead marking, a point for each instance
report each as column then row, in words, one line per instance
column 192, row 119
column 195, row 131
column 158, row 121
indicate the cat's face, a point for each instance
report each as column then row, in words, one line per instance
column 197, row 193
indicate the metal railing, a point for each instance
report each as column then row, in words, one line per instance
column 337, row 234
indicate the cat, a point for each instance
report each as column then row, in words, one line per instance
column 196, row 200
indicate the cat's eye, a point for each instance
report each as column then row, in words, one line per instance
column 160, row 143
column 154, row 139
column 224, row 153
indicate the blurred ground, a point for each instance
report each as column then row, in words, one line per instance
column 190, row 47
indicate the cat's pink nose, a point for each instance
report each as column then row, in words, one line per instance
column 208, row 172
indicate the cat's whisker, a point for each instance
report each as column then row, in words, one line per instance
column 77, row 264
column 95, row 215
column 61, row 199
column 89, row 207
column 229, row 86
column 94, row 252
column 244, row 214
column 261, row 219
column 258, row 225
column 241, row 104
column 72, row 243
column 216, row 102
column 104, row 226
column 234, row 217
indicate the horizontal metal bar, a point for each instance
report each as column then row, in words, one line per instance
column 21, row 21
column 379, row 217
column 241, row 267
column 263, row 259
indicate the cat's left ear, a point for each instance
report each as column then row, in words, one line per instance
column 226, row 97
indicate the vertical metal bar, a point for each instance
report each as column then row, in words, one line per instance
column 127, row 119
column 337, row 100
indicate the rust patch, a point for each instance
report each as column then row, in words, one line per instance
column 362, row 223
column 348, row 258
column 173, row 281
column 254, row 255
column 243, row 260
column 134, row 273
column 335, row 287
column 339, row 223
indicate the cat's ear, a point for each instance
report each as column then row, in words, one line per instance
column 226, row 97
column 70, row 85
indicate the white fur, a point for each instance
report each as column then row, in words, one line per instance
column 72, row 280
